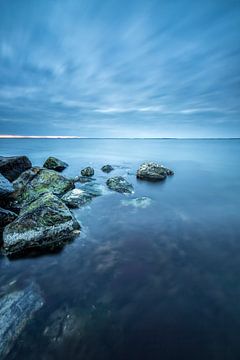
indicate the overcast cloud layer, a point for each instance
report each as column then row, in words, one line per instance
column 120, row 68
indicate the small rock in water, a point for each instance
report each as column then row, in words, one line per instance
column 119, row 184
column 76, row 198
column 88, row 171
column 141, row 202
column 53, row 163
column 83, row 179
column 6, row 217
column 12, row 167
column 44, row 223
column 107, row 168
column 153, row 172
column 16, row 311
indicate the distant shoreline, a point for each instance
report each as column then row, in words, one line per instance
column 110, row 138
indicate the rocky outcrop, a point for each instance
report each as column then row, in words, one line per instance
column 16, row 311
column 88, row 171
column 38, row 181
column 153, row 172
column 6, row 217
column 53, row 163
column 119, row 184
column 12, row 167
column 44, row 223
column 76, row 198
column 107, row 168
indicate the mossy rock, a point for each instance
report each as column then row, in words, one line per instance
column 46, row 222
column 153, row 172
column 119, row 184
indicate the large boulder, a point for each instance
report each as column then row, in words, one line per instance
column 12, row 167
column 6, row 217
column 153, row 172
column 38, row 181
column 53, row 163
column 107, row 168
column 6, row 190
column 76, row 198
column 119, row 184
column 88, row 171
column 44, row 223
column 16, row 311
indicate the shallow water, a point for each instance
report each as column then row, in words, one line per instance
column 159, row 281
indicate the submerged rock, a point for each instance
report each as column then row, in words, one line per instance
column 39, row 181
column 153, row 172
column 83, row 179
column 107, row 168
column 44, row 223
column 119, row 184
column 63, row 323
column 88, row 171
column 141, row 202
column 6, row 217
column 94, row 189
column 76, row 198
column 12, row 167
column 53, row 163
column 16, row 311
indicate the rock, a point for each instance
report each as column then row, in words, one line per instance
column 6, row 217
column 119, row 184
column 88, row 171
column 153, row 172
column 63, row 323
column 25, row 178
column 141, row 202
column 44, row 223
column 39, row 181
column 76, row 198
column 16, row 311
column 6, row 190
column 12, row 167
column 107, row 168
column 83, row 179
column 94, row 189
column 53, row 163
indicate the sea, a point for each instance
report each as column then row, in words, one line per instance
column 154, row 279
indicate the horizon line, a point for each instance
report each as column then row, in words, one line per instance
column 3, row 136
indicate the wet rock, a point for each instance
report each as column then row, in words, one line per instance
column 153, row 172
column 16, row 311
column 12, row 167
column 25, row 178
column 94, row 189
column 107, row 168
column 6, row 190
column 44, row 223
column 76, row 198
column 39, row 181
column 119, row 184
column 83, row 179
column 88, row 171
column 63, row 323
column 141, row 202
column 53, row 163
column 6, row 217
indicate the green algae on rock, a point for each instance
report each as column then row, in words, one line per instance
column 53, row 163
column 153, row 172
column 43, row 181
column 119, row 184
column 46, row 222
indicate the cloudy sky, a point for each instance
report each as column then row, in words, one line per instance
column 119, row 68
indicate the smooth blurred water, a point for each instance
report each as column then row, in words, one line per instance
column 160, row 282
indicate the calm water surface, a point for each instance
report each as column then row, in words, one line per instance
column 161, row 282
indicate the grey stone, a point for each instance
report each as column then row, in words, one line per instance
column 119, row 184
column 153, row 172
column 88, row 171
column 53, row 163
column 12, row 167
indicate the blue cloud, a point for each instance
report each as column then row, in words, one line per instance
column 120, row 68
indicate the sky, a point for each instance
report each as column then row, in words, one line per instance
column 120, row 68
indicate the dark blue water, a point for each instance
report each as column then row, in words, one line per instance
column 161, row 282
